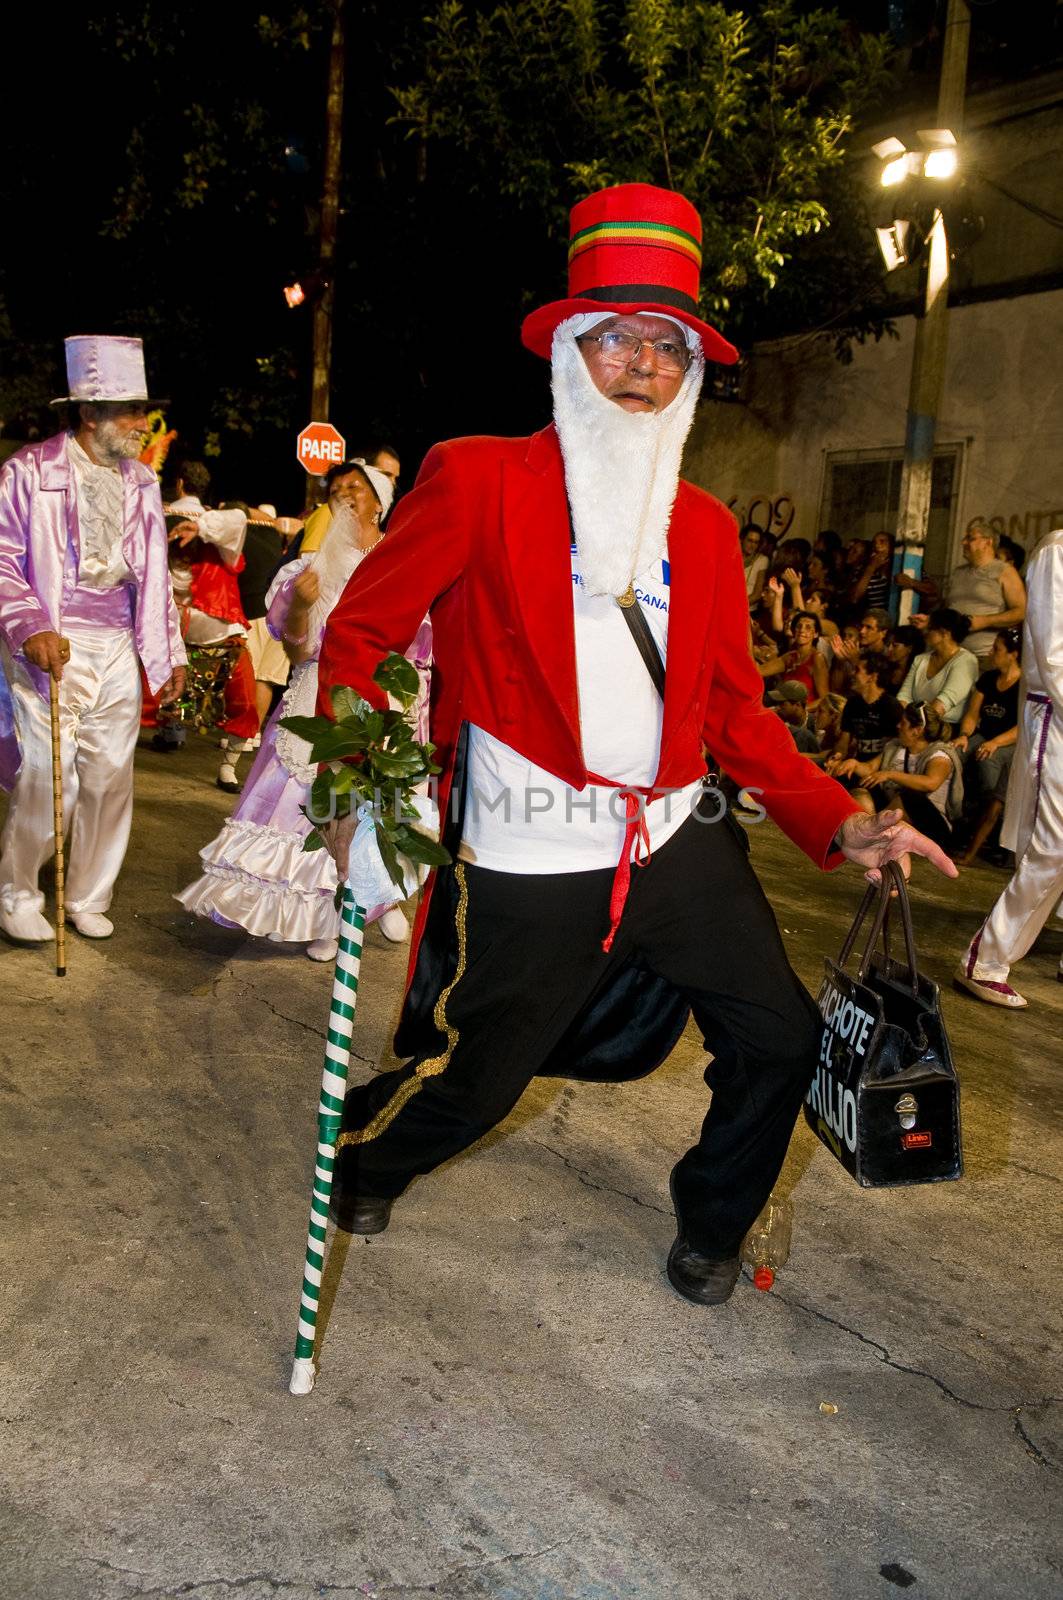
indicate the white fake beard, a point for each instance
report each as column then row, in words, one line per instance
column 621, row 468
column 334, row 564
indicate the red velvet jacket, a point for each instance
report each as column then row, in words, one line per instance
column 483, row 543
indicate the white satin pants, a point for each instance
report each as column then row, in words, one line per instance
column 99, row 717
column 1037, row 882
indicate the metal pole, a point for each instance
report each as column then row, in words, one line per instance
column 931, row 329
column 321, row 381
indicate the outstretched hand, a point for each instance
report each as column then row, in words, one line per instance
column 872, row 841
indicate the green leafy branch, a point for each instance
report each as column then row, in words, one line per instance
column 371, row 758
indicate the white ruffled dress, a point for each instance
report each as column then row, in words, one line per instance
column 256, row 874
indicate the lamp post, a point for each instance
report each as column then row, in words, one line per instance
column 321, row 382
column 936, row 162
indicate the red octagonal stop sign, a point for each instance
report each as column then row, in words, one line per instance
column 319, row 447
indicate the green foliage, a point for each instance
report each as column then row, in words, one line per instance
column 747, row 112
column 467, row 136
column 373, row 759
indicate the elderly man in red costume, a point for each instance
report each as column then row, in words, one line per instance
column 84, row 591
column 600, row 892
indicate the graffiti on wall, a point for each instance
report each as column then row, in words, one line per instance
column 771, row 513
column 1026, row 527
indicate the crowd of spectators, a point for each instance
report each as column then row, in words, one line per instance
column 920, row 716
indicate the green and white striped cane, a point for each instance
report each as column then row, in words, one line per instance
column 329, row 1111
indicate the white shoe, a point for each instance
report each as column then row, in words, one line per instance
column 993, row 993
column 92, row 924
column 323, row 949
column 393, row 926
column 26, row 925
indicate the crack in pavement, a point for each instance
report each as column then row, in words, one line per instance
column 321, row 1033
column 919, row 1372
column 603, row 1188
column 1035, row 1172
column 194, row 1584
column 372, row 1590
column 172, row 933
column 1034, row 1450
column 229, row 972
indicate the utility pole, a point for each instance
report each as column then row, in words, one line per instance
column 932, row 327
column 330, row 211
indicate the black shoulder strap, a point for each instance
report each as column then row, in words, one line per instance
column 640, row 632
column 635, row 618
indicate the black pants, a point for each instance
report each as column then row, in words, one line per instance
column 531, row 958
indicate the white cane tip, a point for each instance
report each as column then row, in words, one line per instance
column 302, row 1376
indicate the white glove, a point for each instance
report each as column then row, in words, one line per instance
column 368, row 878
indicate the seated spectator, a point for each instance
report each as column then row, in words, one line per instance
column 988, row 734
column 900, row 649
column 869, row 721
column 793, row 553
column 918, row 772
column 943, row 676
column 827, row 722
column 873, row 630
column 871, row 586
column 819, row 575
column 817, row 602
column 869, row 636
column 844, row 649
column 983, row 588
column 790, row 701
column 1012, row 552
column 754, row 561
column 803, row 663
column 854, row 560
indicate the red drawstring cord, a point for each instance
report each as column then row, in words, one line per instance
column 636, row 839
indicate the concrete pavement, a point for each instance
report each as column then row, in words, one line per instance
column 512, row 1402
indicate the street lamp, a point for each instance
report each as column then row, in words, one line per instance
column 911, row 201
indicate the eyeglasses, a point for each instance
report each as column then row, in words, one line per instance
column 621, row 349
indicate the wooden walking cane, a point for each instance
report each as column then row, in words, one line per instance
column 57, row 818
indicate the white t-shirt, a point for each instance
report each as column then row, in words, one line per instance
column 520, row 818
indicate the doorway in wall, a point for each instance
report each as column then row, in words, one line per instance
column 862, row 495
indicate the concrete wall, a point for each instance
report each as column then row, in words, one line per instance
column 1002, row 404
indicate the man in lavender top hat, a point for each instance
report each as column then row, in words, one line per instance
column 84, row 592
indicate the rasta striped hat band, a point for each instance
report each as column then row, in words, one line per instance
column 631, row 248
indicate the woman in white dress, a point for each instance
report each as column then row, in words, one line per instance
column 256, row 874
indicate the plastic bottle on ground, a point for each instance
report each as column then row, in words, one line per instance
column 766, row 1246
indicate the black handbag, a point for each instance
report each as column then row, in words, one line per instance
column 885, row 1099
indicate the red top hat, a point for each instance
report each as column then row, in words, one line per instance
column 631, row 248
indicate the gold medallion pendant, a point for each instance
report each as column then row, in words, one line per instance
column 627, row 598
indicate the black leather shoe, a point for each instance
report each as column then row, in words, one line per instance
column 700, row 1278
column 706, row 1280
column 359, row 1213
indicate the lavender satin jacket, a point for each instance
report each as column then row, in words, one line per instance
column 40, row 547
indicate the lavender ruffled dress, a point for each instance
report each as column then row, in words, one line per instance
column 256, row 874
